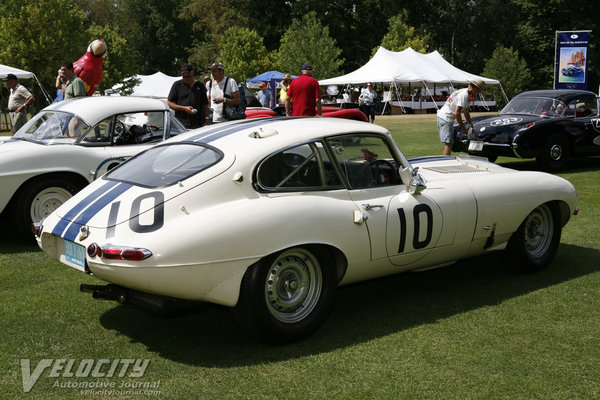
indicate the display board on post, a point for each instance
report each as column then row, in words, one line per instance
column 571, row 59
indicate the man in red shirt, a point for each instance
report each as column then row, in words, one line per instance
column 304, row 95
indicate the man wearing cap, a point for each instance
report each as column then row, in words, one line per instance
column 223, row 91
column 304, row 95
column 18, row 101
column 265, row 96
column 188, row 99
column 457, row 104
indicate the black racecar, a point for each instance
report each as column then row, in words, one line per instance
column 548, row 125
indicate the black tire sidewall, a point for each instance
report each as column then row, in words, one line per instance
column 516, row 257
column 21, row 208
column 252, row 314
column 544, row 159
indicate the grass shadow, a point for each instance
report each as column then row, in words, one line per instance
column 576, row 164
column 362, row 311
column 11, row 241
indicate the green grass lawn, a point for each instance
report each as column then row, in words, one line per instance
column 468, row 331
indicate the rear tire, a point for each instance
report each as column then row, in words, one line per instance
column 554, row 154
column 39, row 199
column 286, row 297
column 533, row 246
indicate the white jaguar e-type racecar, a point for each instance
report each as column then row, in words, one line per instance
column 69, row 144
column 269, row 216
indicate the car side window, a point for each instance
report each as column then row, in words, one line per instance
column 366, row 160
column 582, row 107
column 304, row 167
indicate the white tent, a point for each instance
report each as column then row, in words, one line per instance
column 156, row 85
column 22, row 74
column 407, row 66
column 19, row 73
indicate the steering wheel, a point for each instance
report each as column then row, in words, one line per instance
column 381, row 172
column 119, row 128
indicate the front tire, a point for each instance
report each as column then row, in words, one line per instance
column 38, row 199
column 554, row 154
column 287, row 296
column 533, row 246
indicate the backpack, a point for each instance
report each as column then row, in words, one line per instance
column 239, row 111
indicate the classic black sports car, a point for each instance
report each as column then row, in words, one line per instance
column 548, row 125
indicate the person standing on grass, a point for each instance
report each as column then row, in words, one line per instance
column 304, row 95
column 457, row 104
column 18, row 101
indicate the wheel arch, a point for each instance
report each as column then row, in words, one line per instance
column 77, row 179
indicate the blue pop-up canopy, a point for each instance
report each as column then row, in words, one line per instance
column 267, row 77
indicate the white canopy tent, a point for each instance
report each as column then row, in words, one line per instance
column 407, row 67
column 22, row 74
column 155, row 86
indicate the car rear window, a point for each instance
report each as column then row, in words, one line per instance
column 165, row 165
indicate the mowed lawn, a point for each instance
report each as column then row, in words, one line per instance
column 469, row 331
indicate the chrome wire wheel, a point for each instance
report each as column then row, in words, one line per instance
column 48, row 200
column 539, row 231
column 293, row 285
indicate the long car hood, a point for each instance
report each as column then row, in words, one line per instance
column 501, row 128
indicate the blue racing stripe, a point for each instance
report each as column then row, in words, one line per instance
column 72, row 213
column 212, row 135
column 93, row 209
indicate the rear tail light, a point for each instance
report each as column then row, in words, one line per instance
column 112, row 252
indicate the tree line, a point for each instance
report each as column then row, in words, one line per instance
column 509, row 40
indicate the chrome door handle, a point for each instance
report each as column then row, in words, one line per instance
column 370, row 206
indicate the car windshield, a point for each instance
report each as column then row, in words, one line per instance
column 534, row 106
column 52, row 127
column 165, row 165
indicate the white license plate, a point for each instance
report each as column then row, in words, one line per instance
column 74, row 255
column 476, row 145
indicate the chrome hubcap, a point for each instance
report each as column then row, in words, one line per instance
column 538, row 231
column 556, row 152
column 293, row 285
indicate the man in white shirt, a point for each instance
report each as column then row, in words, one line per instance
column 457, row 104
column 219, row 95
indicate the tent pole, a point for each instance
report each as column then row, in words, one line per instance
column 43, row 90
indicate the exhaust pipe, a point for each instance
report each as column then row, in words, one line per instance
column 162, row 305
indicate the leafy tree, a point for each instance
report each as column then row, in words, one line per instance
column 307, row 41
column 244, row 54
column 400, row 36
column 156, row 35
column 511, row 70
column 119, row 63
column 38, row 36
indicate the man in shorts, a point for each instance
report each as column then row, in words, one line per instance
column 457, row 104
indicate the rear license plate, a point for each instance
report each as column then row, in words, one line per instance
column 476, row 145
column 75, row 255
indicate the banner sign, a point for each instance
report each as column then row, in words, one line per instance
column 571, row 62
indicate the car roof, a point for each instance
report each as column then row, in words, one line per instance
column 95, row 108
column 564, row 95
column 269, row 134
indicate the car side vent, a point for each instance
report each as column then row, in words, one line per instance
column 262, row 133
column 455, row 169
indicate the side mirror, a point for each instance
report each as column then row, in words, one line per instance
column 412, row 180
column 597, row 140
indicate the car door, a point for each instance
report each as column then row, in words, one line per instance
column 402, row 227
